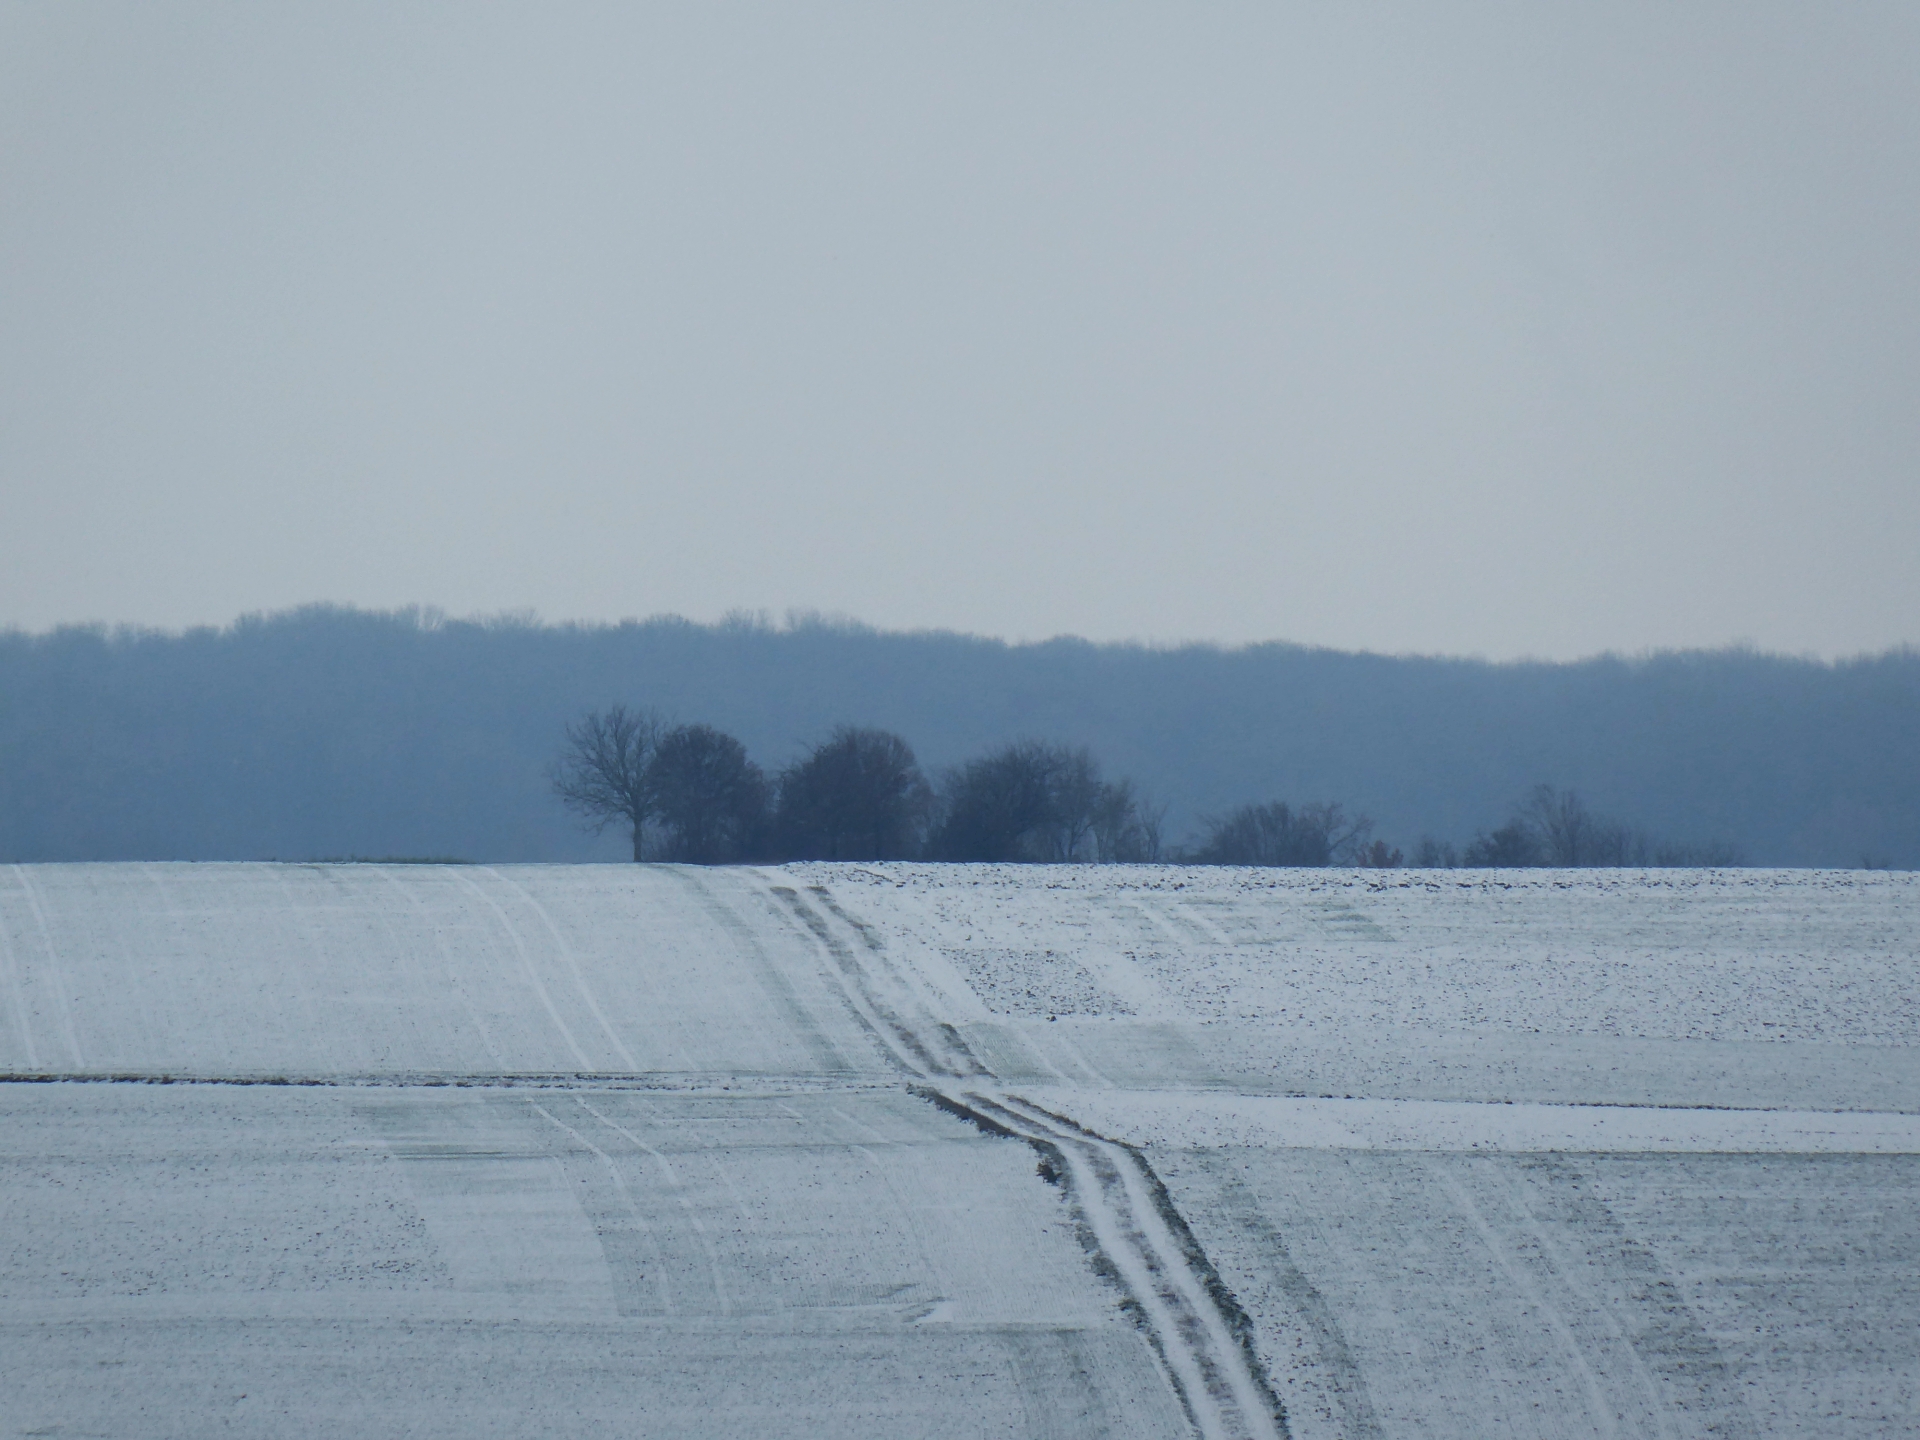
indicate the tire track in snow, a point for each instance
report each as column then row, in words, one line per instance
column 679, row 1192
column 1537, row 1302
column 921, row 1057
column 633, row 1206
column 456, row 982
column 527, row 970
column 17, row 999
column 1126, row 1218
column 826, row 1056
column 56, row 973
column 573, row 963
column 1347, row 1387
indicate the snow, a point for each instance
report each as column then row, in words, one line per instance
column 1670, row 955
column 1204, row 1120
column 399, row 1259
column 331, row 970
column 425, row 1150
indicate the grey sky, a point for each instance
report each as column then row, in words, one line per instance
column 1495, row 329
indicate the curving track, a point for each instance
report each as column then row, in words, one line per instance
column 1126, row 1219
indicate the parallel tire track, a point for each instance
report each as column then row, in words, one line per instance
column 1127, row 1219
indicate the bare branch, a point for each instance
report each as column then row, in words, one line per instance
column 602, row 772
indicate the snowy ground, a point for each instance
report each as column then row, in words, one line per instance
column 596, row 1150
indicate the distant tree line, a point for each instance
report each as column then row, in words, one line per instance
column 690, row 793
column 1552, row 827
column 329, row 731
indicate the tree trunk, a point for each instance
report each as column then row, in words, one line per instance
column 636, row 842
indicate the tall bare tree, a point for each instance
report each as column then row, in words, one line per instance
column 1078, row 799
column 1151, row 818
column 1568, row 833
column 603, row 773
column 1117, row 833
column 1127, row 825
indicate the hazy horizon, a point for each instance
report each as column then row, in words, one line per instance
column 800, row 619
column 337, row 732
column 1487, row 331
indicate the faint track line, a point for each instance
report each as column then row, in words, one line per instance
column 825, row 1053
column 626, row 1196
column 573, row 964
column 526, row 967
column 56, row 976
column 19, row 1003
column 1348, row 1385
column 1569, row 1274
column 679, row 1193
column 455, row 981
column 1604, row 1416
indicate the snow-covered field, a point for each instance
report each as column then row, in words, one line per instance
column 942, row 1150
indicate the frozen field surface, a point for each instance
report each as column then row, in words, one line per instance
column 303, row 1150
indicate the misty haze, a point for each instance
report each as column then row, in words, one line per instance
column 1357, row 873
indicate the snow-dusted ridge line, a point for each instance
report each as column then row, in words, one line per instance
column 1126, row 1218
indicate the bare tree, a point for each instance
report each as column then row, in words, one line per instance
column 1150, row 822
column 1001, row 807
column 602, row 773
column 1127, row 825
column 1116, row 824
column 1555, row 827
column 1566, row 832
column 1278, row 834
column 1078, row 800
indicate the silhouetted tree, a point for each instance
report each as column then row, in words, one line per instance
column 1150, row 819
column 1126, row 826
column 1277, row 834
column 858, row 795
column 1511, row 846
column 1001, row 806
column 1555, row 827
column 1432, row 854
column 1030, row 801
column 1566, row 833
column 1377, row 855
column 602, row 773
column 1079, row 797
column 709, row 799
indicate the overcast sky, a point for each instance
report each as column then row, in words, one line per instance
column 1504, row 330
